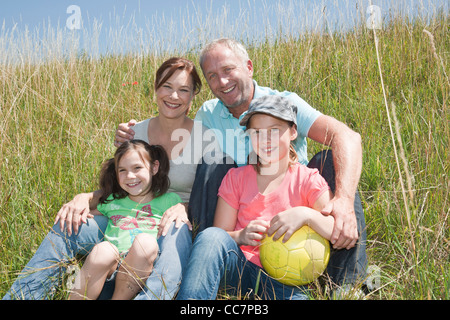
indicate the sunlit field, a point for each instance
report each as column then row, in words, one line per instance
column 58, row 116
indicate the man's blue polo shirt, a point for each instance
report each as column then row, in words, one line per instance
column 232, row 137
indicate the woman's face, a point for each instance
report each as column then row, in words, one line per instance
column 174, row 97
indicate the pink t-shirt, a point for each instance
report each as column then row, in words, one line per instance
column 301, row 186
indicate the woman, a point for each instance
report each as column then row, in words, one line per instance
column 176, row 85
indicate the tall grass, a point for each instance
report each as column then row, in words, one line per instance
column 58, row 116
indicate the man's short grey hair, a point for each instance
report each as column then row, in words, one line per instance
column 231, row 44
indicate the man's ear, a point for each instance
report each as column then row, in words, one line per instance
column 250, row 68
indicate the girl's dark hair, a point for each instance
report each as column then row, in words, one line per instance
column 174, row 64
column 109, row 183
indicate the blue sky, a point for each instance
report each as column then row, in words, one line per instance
column 180, row 24
column 33, row 12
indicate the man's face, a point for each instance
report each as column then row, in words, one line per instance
column 230, row 78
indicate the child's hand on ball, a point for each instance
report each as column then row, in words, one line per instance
column 287, row 222
column 253, row 233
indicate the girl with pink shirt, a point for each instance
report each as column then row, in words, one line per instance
column 273, row 195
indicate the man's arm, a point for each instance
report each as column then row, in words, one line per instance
column 124, row 133
column 347, row 159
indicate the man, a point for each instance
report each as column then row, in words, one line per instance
column 229, row 74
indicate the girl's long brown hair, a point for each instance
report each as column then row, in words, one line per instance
column 109, row 183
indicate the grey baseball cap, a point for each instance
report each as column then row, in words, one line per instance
column 273, row 105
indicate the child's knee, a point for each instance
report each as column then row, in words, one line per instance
column 213, row 234
column 104, row 254
column 145, row 246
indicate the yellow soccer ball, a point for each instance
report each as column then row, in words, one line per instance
column 299, row 260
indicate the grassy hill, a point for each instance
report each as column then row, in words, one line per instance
column 57, row 121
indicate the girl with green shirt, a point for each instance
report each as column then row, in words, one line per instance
column 134, row 198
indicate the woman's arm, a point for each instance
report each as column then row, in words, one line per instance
column 226, row 218
column 75, row 212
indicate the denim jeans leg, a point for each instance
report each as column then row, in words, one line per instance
column 345, row 266
column 203, row 200
column 175, row 249
column 215, row 261
column 270, row 289
column 40, row 277
column 243, row 279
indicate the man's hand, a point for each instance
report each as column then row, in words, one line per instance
column 345, row 231
column 124, row 133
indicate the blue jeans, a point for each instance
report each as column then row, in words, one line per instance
column 218, row 262
column 40, row 277
column 203, row 199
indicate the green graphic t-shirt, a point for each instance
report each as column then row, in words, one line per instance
column 128, row 218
